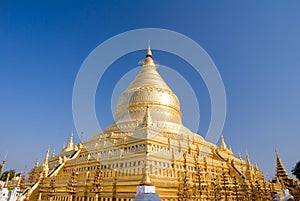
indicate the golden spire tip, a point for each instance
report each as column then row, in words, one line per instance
column 149, row 53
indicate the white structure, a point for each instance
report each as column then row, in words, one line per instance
column 13, row 195
column 16, row 192
column 4, row 194
column 284, row 196
column 146, row 191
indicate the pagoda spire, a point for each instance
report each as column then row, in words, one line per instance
column 36, row 163
column 148, row 62
column 19, row 179
column 147, row 120
column 45, row 167
column 70, row 145
column 53, row 154
column 239, row 155
column 223, row 146
column 149, row 52
column 146, row 190
column 47, row 156
column 3, row 164
column 247, row 157
column 280, row 170
column 146, row 181
column 7, row 179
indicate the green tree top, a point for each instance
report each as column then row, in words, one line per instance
column 296, row 170
column 4, row 175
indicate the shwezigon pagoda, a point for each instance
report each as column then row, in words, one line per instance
column 148, row 146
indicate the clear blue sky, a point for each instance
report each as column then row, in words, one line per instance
column 255, row 45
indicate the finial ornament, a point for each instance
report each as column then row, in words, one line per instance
column 3, row 164
column 149, row 53
column 45, row 168
column 147, row 120
column 53, row 153
column 7, row 179
column 239, row 155
column 223, row 146
column 247, row 158
column 70, row 145
column 47, row 155
column 146, row 181
column 36, row 162
column 19, row 179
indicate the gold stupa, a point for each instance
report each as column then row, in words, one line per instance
column 148, row 89
column 146, row 144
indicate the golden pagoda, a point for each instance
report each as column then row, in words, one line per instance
column 281, row 172
column 146, row 143
column 283, row 180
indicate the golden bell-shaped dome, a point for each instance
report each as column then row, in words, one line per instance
column 148, row 90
